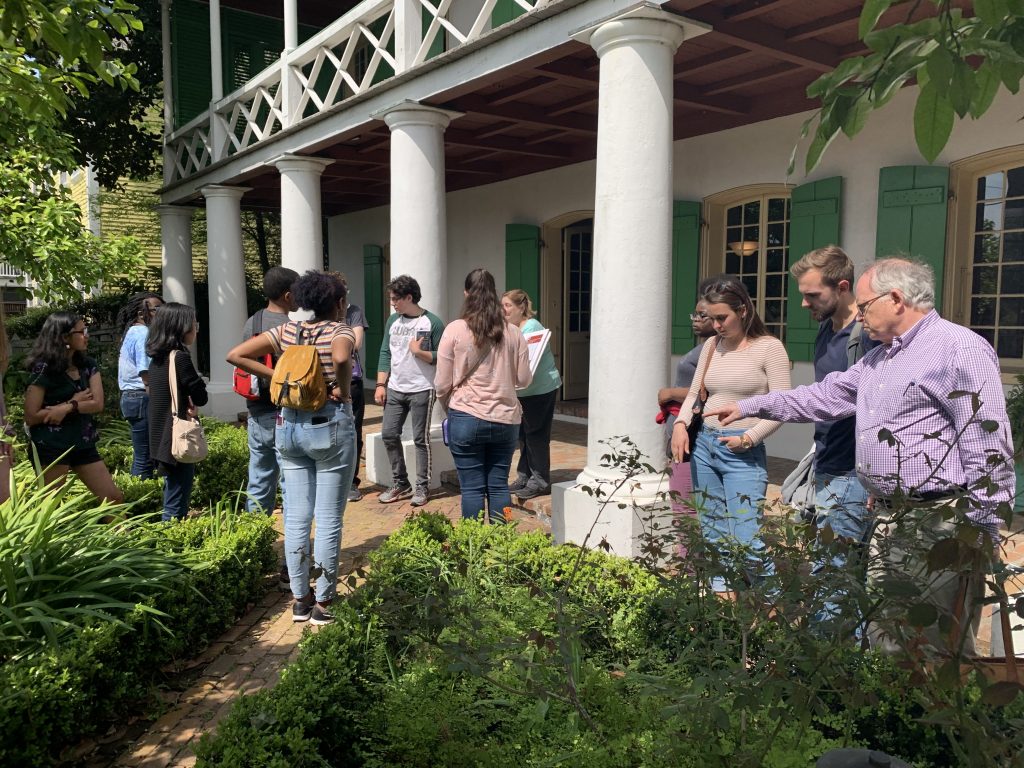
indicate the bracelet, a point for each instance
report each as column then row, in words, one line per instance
column 381, row 384
column 74, row 405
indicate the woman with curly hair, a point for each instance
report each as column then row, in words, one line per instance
column 481, row 361
column 133, row 374
column 64, row 393
column 171, row 332
column 317, row 448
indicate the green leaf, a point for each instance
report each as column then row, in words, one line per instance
column 961, row 90
column 940, row 68
column 922, row 615
column 987, row 81
column 1011, row 72
column 822, row 138
column 857, row 116
column 1002, row 693
column 933, row 122
column 991, row 12
column 943, row 554
column 870, row 14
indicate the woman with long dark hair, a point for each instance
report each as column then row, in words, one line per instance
column 64, row 392
column 171, row 331
column 6, row 432
column 317, row 448
column 481, row 360
column 729, row 465
column 133, row 374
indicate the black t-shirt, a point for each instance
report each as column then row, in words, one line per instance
column 77, row 430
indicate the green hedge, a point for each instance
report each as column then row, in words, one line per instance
column 50, row 702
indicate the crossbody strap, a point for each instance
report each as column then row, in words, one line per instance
column 702, row 394
column 472, row 369
column 172, row 380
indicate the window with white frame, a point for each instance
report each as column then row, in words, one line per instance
column 754, row 245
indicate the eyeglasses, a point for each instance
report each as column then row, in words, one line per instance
column 84, row 332
column 862, row 308
column 698, row 316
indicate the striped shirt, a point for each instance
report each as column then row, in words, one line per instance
column 324, row 332
column 762, row 366
column 931, row 416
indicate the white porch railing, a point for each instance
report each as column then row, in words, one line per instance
column 372, row 42
column 7, row 271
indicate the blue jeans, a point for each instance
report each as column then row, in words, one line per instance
column 263, row 466
column 840, row 504
column 483, row 456
column 135, row 409
column 728, row 491
column 317, row 452
column 177, row 490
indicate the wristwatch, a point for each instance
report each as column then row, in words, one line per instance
column 746, row 442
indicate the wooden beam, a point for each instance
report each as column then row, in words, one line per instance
column 571, row 105
column 750, row 9
column 762, row 75
column 533, row 85
column 771, row 41
column 505, row 144
column 526, row 114
column 729, row 55
column 691, row 96
column 497, row 128
column 823, row 25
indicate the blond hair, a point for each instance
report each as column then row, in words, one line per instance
column 521, row 299
column 833, row 263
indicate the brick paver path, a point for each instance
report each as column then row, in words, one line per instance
column 251, row 655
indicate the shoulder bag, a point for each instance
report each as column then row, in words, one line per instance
column 697, row 420
column 188, row 443
column 465, row 377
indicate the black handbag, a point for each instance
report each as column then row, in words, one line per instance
column 697, row 419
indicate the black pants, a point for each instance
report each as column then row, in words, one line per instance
column 358, row 409
column 535, row 438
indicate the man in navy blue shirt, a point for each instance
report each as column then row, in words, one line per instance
column 825, row 280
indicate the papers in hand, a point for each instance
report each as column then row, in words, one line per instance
column 536, row 343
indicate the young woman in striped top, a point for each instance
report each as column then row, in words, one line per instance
column 729, row 466
column 317, row 448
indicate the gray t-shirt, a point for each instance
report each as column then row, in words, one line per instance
column 267, row 320
column 355, row 318
column 686, row 369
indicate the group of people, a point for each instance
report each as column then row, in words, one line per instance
column 908, row 410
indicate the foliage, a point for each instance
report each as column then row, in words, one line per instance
column 62, row 568
column 224, row 472
column 1015, row 412
column 958, row 60
column 143, row 497
column 64, row 694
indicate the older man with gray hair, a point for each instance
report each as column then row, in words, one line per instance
column 931, row 428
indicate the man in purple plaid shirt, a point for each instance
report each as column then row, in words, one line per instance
column 931, row 416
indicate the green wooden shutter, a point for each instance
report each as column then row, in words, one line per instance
column 912, row 208
column 190, row 59
column 685, row 268
column 522, row 260
column 814, row 223
column 374, row 307
column 504, row 11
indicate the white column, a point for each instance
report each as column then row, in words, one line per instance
column 408, row 33
column 226, row 278
column 216, row 60
column 632, row 226
column 302, row 241
column 291, row 25
column 419, row 239
column 291, row 88
column 165, row 51
column 176, row 256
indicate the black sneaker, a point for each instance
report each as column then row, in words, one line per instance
column 321, row 615
column 518, row 484
column 531, row 491
column 302, row 610
column 284, row 583
column 396, row 493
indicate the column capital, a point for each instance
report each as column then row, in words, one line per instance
column 413, row 113
column 643, row 23
column 183, row 211
column 285, row 163
column 223, row 190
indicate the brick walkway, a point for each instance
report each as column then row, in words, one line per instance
column 251, row 655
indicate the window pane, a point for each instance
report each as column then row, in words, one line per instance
column 750, row 281
column 773, row 285
column 1013, row 246
column 1014, row 216
column 1011, row 311
column 1011, row 344
column 732, row 263
column 776, row 234
column 983, row 312
column 991, row 187
column 773, row 311
column 1013, row 280
column 752, row 234
column 984, row 280
column 777, row 209
column 1015, row 182
column 986, row 249
column 989, row 217
column 750, row 264
column 734, row 216
column 776, row 260
column 752, row 212
column 987, row 334
column 733, row 235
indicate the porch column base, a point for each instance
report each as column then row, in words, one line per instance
column 378, row 466
column 224, row 403
column 581, row 517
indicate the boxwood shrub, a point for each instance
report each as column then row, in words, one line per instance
column 52, row 701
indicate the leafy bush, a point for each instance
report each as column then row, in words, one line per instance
column 145, row 497
column 66, row 693
column 224, row 472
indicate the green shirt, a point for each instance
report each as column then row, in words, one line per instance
column 546, row 379
column 77, row 430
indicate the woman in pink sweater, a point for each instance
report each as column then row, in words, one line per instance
column 481, row 360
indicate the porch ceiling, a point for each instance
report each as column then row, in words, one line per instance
column 755, row 65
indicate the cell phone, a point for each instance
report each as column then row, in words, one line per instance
column 319, row 420
column 425, row 337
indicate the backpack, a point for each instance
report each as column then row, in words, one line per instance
column 299, row 375
column 248, row 385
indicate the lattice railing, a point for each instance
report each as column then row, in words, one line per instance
column 356, row 52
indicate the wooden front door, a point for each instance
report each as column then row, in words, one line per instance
column 577, row 258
